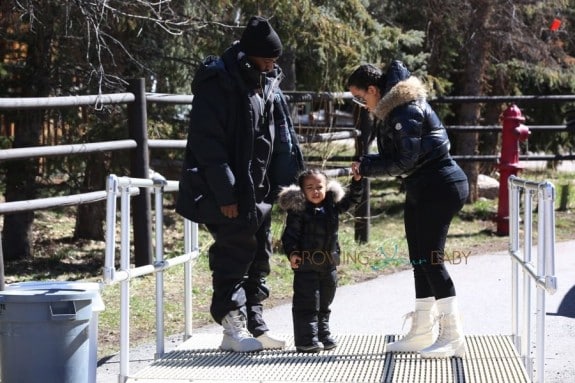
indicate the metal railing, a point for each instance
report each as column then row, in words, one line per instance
column 123, row 187
column 542, row 274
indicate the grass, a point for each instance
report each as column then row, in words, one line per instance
column 57, row 257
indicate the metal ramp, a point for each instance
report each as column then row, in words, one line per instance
column 357, row 359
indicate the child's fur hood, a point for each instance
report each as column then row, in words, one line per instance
column 292, row 198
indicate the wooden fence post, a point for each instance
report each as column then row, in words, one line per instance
column 139, row 168
column 363, row 210
column 2, row 283
column 564, row 199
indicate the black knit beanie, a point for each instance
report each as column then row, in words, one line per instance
column 260, row 40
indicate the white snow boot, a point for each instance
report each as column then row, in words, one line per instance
column 450, row 341
column 236, row 335
column 420, row 335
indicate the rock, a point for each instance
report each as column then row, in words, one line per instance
column 488, row 187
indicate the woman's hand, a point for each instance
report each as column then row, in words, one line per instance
column 355, row 170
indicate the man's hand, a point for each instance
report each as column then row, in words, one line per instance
column 295, row 261
column 230, row 211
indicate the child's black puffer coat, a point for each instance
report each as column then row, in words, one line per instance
column 312, row 231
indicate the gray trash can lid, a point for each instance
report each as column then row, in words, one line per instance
column 45, row 295
column 97, row 302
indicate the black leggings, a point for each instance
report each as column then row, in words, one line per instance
column 430, row 205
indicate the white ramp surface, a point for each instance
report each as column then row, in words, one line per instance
column 357, row 359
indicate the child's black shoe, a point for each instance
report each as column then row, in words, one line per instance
column 328, row 342
column 309, row 348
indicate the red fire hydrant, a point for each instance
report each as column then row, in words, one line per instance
column 513, row 132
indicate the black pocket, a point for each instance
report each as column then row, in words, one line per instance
column 196, row 202
column 194, row 184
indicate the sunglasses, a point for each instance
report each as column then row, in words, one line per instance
column 360, row 101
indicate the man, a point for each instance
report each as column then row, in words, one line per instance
column 224, row 182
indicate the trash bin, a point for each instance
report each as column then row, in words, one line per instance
column 46, row 332
column 97, row 307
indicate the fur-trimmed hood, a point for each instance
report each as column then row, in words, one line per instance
column 400, row 88
column 292, row 198
column 405, row 91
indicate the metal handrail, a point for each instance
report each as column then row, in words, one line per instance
column 122, row 186
column 542, row 275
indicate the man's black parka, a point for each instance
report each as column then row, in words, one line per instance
column 227, row 154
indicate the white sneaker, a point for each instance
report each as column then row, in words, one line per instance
column 269, row 342
column 236, row 336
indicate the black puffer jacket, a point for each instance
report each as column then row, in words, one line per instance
column 410, row 134
column 312, row 231
column 226, row 154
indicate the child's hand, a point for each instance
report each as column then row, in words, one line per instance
column 355, row 171
column 295, row 261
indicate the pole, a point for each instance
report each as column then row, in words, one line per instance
column 2, row 285
column 139, row 168
column 363, row 210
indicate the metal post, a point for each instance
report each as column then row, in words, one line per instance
column 190, row 244
column 112, row 189
column 527, row 244
column 125, row 285
column 514, row 248
column 540, row 302
column 159, row 230
column 545, row 267
column 548, row 201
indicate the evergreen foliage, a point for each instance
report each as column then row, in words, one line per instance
column 75, row 47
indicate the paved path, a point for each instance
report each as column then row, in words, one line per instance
column 483, row 284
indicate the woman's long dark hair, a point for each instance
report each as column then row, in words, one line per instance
column 366, row 75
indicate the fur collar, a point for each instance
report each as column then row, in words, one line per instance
column 292, row 198
column 403, row 92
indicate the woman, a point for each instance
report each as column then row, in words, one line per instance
column 413, row 144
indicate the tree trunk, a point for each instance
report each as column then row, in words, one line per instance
column 490, row 142
column 90, row 217
column 287, row 63
column 21, row 185
column 33, row 80
column 476, row 51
